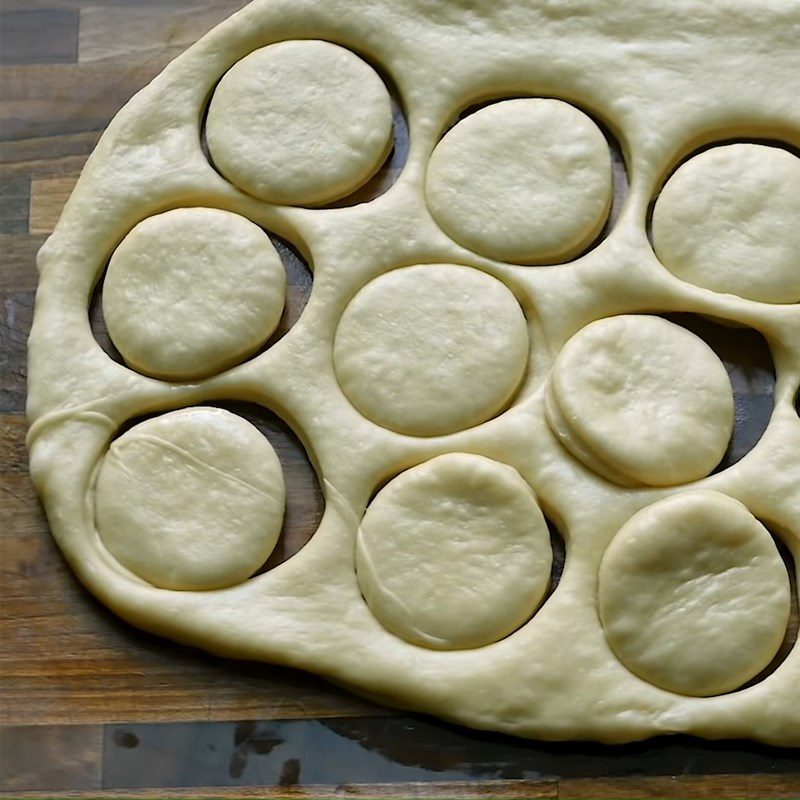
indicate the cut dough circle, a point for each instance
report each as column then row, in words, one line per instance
column 191, row 292
column 525, row 180
column 192, row 499
column 641, row 400
column 299, row 123
column 729, row 220
column 693, row 594
column 431, row 349
column 454, row 553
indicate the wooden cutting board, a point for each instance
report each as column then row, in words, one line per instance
column 91, row 705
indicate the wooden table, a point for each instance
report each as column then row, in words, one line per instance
column 93, row 706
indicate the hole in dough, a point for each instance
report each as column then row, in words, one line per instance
column 728, row 219
column 300, row 122
column 454, row 553
column 527, row 180
column 431, row 349
column 693, row 594
column 747, row 358
column 193, row 499
column 191, row 292
column 640, row 400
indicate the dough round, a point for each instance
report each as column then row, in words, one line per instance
column 525, row 180
column 299, row 122
column 193, row 499
column 729, row 220
column 454, row 553
column 641, row 401
column 693, row 594
column 433, row 349
column 191, row 292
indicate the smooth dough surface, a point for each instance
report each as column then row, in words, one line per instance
column 193, row 499
column 642, row 401
column 431, row 349
column 424, row 338
column 525, row 180
column 729, row 220
column 300, row 122
column 454, row 553
column 191, row 292
column 689, row 576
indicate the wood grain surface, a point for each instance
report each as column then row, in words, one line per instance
column 92, row 706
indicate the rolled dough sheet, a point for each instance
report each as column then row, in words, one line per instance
column 436, row 375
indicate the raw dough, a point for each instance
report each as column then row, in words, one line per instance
column 191, row 292
column 432, row 349
column 694, row 596
column 301, row 122
column 526, row 180
column 193, row 499
column 641, row 401
column 729, row 220
column 454, row 553
column 665, row 78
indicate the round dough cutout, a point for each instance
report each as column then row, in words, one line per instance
column 431, row 349
column 641, row 400
column 193, row 499
column 693, row 594
column 191, row 292
column 524, row 181
column 300, row 123
column 729, row 220
column 454, row 553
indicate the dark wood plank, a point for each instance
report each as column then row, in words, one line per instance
column 15, row 198
column 18, row 253
column 15, row 322
column 39, row 36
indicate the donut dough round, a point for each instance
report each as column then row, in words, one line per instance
column 192, row 499
column 191, row 292
column 299, row 123
column 693, row 575
column 454, row 553
column 729, row 220
column 431, row 349
column 641, row 401
column 525, row 181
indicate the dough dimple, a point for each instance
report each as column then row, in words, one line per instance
column 641, row 401
column 729, row 220
column 693, row 594
column 454, row 553
column 192, row 499
column 431, row 349
column 299, row 122
column 191, row 292
column 526, row 180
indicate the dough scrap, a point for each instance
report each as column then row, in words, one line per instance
column 191, row 292
column 525, row 181
column 694, row 596
column 431, row 349
column 729, row 220
column 641, row 401
column 300, row 122
column 454, row 553
column 191, row 500
column 665, row 78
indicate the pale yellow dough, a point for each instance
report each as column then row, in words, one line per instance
column 729, row 220
column 694, row 596
column 454, row 553
column 193, row 499
column 299, row 122
column 641, row 401
column 415, row 344
column 526, row 180
column 192, row 291
column 432, row 349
